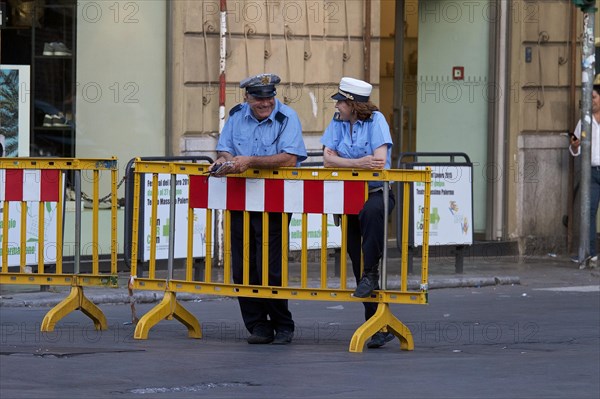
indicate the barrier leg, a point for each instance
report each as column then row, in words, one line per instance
column 383, row 318
column 75, row 300
column 167, row 309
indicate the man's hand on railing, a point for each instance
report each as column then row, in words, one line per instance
column 221, row 168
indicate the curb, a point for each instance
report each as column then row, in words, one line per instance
column 474, row 282
column 51, row 299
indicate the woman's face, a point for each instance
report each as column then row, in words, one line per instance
column 595, row 101
column 344, row 109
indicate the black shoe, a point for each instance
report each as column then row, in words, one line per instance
column 366, row 285
column 259, row 339
column 379, row 339
column 261, row 335
column 283, row 337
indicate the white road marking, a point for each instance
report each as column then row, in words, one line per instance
column 583, row 288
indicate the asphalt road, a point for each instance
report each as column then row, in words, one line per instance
column 489, row 342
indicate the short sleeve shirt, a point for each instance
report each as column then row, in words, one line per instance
column 281, row 132
column 595, row 141
column 366, row 136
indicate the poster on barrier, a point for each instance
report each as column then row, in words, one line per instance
column 181, row 219
column 334, row 233
column 32, row 233
column 451, row 206
column 314, row 233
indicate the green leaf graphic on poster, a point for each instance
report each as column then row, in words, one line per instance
column 166, row 229
column 435, row 216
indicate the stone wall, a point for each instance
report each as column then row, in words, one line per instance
column 543, row 193
column 309, row 44
column 542, row 70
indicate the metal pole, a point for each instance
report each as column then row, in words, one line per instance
column 219, row 214
column 587, row 80
column 172, row 204
column 572, row 118
column 77, row 259
column 386, row 199
column 222, row 62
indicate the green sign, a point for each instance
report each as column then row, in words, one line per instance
column 585, row 5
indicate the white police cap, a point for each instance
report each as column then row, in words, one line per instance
column 262, row 85
column 353, row 89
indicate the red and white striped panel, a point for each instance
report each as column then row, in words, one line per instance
column 267, row 195
column 29, row 185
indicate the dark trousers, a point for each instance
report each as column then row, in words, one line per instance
column 259, row 312
column 365, row 231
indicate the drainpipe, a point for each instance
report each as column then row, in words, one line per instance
column 397, row 122
column 500, row 117
column 169, row 83
column 367, row 44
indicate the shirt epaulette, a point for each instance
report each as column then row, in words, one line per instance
column 235, row 109
column 280, row 117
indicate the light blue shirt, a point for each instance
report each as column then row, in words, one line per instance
column 281, row 132
column 366, row 136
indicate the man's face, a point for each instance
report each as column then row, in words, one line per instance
column 261, row 107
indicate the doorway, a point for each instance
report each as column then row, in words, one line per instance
column 440, row 51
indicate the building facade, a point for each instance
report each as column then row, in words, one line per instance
column 498, row 80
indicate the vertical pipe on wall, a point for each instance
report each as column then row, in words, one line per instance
column 497, row 122
column 501, row 117
column 367, row 42
column 169, row 83
column 397, row 123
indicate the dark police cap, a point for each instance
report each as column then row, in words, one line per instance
column 262, row 85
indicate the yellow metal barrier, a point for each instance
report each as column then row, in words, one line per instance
column 169, row 307
column 41, row 181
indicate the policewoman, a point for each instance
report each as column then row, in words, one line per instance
column 260, row 133
column 359, row 137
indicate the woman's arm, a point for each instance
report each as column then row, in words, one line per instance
column 331, row 159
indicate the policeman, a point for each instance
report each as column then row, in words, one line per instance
column 260, row 133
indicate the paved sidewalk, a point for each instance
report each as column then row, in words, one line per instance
column 535, row 272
